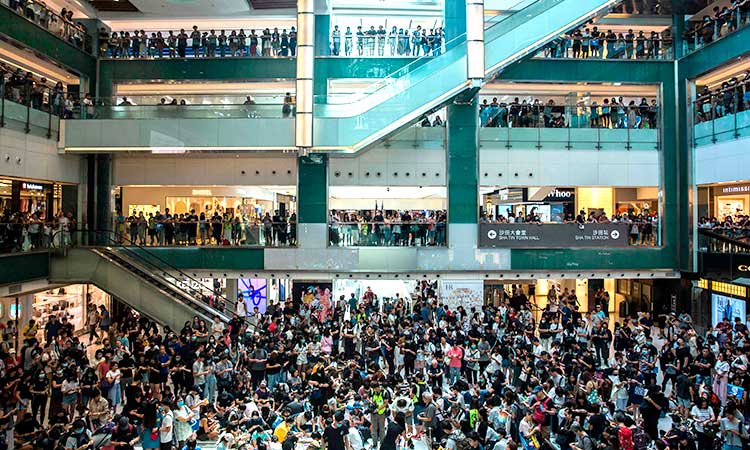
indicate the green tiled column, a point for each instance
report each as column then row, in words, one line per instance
column 463, row 160
column 312, row 189
column 455, row 18
column 322, row 33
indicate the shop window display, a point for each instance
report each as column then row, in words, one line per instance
column 74, row 302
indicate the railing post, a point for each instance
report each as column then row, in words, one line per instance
column 598, row 145
column 713, row 128
column 735, row 109
column 2, row 103
column 627, row 143
column 49, row 123
column 538, row 138
column 28, row 117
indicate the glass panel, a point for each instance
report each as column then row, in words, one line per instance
column 65, row 28
column 427, row 83
column 723, row 114
column 703, row 30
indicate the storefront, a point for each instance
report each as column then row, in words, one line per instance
column 33, row 196
column 75, row 302
column 551, row 204
column 245, row 202
column 724, row 200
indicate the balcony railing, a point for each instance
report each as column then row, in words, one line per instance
column 63, row 27
column 182, row 44
column 618, row 47
column 33, row 111
column 724, row 240
column 387, row 234
column 722, row 116
column 137, row 108
column 698, row 34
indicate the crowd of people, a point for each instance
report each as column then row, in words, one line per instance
column 401, row 41
column 374, row 373
column 23, row 232
column 198, row 44
column 725, row 20
column 534, row 113
column 387, row 228
column 167, row 229
column 643, row 227
column 590, row 42
column 732, row 96
column 63, row 24
column 19, row 86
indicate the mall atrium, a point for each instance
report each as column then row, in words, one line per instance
column 195, row 160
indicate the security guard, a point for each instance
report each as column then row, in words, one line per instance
column 379, row 400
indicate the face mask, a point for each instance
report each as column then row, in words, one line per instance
column 79, row 430
column 180, row 404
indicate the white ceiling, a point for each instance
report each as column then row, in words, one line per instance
column 176, row 9
column 384, row 192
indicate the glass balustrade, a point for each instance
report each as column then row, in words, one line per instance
column 722, row 115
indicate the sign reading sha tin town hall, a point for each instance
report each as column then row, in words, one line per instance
column 562, row 235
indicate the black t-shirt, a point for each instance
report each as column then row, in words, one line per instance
column 391, row 434
column 124, row 435
column 334, row 437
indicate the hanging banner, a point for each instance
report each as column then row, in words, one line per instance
column 550, row 235
column 466, row 293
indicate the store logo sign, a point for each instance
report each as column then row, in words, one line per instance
column 561, row 194
column 743, row 268
column 743, row 188
column 202, row 192
column 32, row 187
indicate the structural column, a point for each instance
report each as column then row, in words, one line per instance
column 312, row 201
column 463, row 188
column 475, row 42
column 455, row 18
column 103, row 193
column 305, row 70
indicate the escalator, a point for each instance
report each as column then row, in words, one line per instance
column 141, row 280
column 428, row 83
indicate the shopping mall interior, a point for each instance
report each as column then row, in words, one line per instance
column 279, row 151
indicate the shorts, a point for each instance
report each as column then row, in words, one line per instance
column 684, row 402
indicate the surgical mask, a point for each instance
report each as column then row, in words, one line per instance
column 180, row 403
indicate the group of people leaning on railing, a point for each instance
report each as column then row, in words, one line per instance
column 197, row 43
column 725, row 20
column 387, row 228
column 588, row 42
column 642, row 230
column 401, row 41
column 23, row 232
column 167, row 229
column 63, row 24
column 731, row 97
column 25, row 88
column 611, row 113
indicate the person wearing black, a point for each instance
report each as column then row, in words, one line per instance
column 394, row 430
column 335, row 433
column 629, row 38
column 124, row 435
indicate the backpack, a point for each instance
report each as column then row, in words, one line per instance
column 641, row 440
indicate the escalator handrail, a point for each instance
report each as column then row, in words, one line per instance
column 114, row 243
column 199, row 306
column 722, row 238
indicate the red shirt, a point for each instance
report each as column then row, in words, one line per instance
column 625, row 435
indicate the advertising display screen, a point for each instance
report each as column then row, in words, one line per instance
column 724, row 306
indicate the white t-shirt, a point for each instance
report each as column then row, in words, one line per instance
column 167, row 421
column 355, row 439
column 115, row 375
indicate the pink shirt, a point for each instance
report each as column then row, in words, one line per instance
column 455, row 354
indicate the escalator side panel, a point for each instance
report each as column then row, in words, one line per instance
column 88, row 266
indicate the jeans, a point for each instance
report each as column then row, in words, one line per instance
column 273, row 378
column 455, row 374
column 209, row 389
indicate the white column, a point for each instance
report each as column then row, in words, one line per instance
column 305, row 67
column 475, row 41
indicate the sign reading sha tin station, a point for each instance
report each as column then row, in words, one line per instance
column 563, row 235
